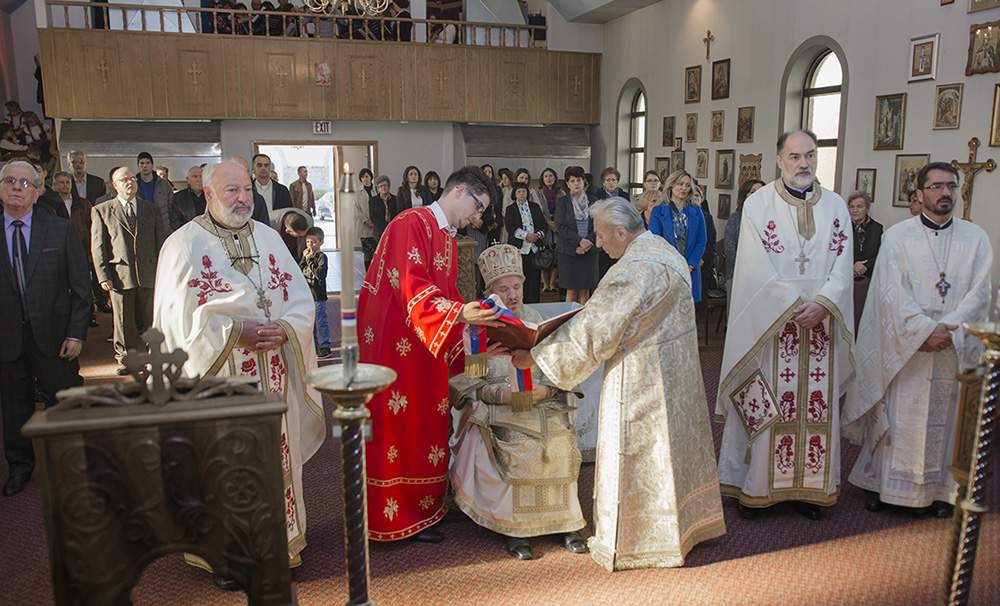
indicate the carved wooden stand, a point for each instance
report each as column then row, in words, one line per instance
column 130, row 473
column 351, row 413
column 972, row 478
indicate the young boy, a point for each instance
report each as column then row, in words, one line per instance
column 314, row 268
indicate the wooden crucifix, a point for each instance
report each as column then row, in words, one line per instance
column 969, row 170
column 709, row 38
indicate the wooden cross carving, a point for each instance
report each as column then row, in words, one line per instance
column 576, row 85
column 194, row 71
column 164, row 368
column 363, row 76
column 441, row 79
column 969, row 170
column 709, row 39
column 104, row 68
column 281, row 74
column 514, row 82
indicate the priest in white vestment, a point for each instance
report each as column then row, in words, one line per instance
column 229, row 294
column 514, row 468
column 787, row 358
column 932, row 274
column 656, row 494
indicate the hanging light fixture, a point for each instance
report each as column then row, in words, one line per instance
column 369, row 8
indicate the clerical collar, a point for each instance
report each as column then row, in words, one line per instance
column 795, row 192
column 441, row 219
column 929, row 224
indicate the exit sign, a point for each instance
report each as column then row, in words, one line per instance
column 322, row 127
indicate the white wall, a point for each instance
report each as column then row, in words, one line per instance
column 428, row 145
column 655, row 44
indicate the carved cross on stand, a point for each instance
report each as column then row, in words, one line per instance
column 194, row 71
column 104, row 68
column 281, row 73
column 709, row 39
column 969, row 170
column 164, row 368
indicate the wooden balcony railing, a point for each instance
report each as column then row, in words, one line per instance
column 72, row 14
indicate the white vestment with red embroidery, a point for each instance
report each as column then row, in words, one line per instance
column 905, row 401
column 781, row 383
column 201, row 302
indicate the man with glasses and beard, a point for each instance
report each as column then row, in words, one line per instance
column 230, row 294
column 931, row 275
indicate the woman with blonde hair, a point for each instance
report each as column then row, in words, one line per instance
column 645, row 203
column 682, row 224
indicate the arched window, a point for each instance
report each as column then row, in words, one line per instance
column 821, row 98
column 815, row 85
column 637, row 143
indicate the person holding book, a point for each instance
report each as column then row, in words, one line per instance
column 515, row 458
column 656, row 492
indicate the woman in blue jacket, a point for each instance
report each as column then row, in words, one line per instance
column 682, row 224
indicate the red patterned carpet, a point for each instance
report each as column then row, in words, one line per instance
column 851, row 557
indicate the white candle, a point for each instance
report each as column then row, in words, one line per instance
column 345, row 234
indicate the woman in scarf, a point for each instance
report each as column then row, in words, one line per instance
column 682, row 224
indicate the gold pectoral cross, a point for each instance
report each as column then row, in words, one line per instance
column 264, row 303
column 802, row 259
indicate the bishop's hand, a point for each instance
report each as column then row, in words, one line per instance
column 940, row 339
column 473, row 313
column 522, row 359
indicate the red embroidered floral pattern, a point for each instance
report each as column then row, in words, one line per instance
column 286, row 454
column 838, row 239
column 815, row 457
column 290, row 509
column 770, row 239
column 818, row 343
column 209, row 283
column 787, row 406
column 817, row 407
column 279, row 279
column 788, row 342
column 783, row 455
column 277, row 374
column 249, row 367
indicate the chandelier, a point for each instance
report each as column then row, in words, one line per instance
column 369, row 8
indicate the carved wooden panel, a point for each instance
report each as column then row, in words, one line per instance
column 194, row 77
column 280, row 79
column 513, row 88
column 102, row 73
column 361, row 79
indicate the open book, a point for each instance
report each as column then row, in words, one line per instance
column 527, row 334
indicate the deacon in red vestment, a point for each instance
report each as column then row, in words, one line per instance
column 410, row 319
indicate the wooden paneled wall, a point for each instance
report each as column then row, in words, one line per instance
column 134, row 75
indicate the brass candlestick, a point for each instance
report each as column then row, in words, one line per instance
column 350, row 398
column 970, row 509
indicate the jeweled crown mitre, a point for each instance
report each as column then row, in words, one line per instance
column 498, row 262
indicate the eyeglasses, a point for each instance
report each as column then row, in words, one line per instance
column 936, row 187
column 480, row 207
column 126, row 180
column 24, row 183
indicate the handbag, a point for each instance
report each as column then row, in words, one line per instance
column 545, row 258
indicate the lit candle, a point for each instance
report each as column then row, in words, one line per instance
column 345, row 234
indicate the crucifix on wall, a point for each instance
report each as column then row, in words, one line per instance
column 709, row 38
column 969, row 170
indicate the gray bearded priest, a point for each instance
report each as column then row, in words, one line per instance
column 515, row 472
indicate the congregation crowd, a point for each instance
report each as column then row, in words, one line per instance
column 230, row 269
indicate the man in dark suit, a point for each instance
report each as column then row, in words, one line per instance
column 126, row 236
column 44, row 321
column 188, row 203
column 90, row 187
column 275, row 194
column 48, row 199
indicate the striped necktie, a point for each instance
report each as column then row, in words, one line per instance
column 130, row 217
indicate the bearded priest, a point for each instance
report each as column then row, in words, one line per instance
column 787, row 358
column 515, row 464
column 229, row 294
column 656, row 493
column 932, row 274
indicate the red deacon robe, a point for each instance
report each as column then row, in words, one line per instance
column 408, row 321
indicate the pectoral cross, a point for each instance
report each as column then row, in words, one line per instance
column 942, row 286
column 802, row 259
column 709, row 39
column 194, row 72
column 969, row 170
column 264, row 303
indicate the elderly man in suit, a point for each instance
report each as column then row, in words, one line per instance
column 188, row 203
column 45, row 295
column 87, row 186
column 126, row 236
